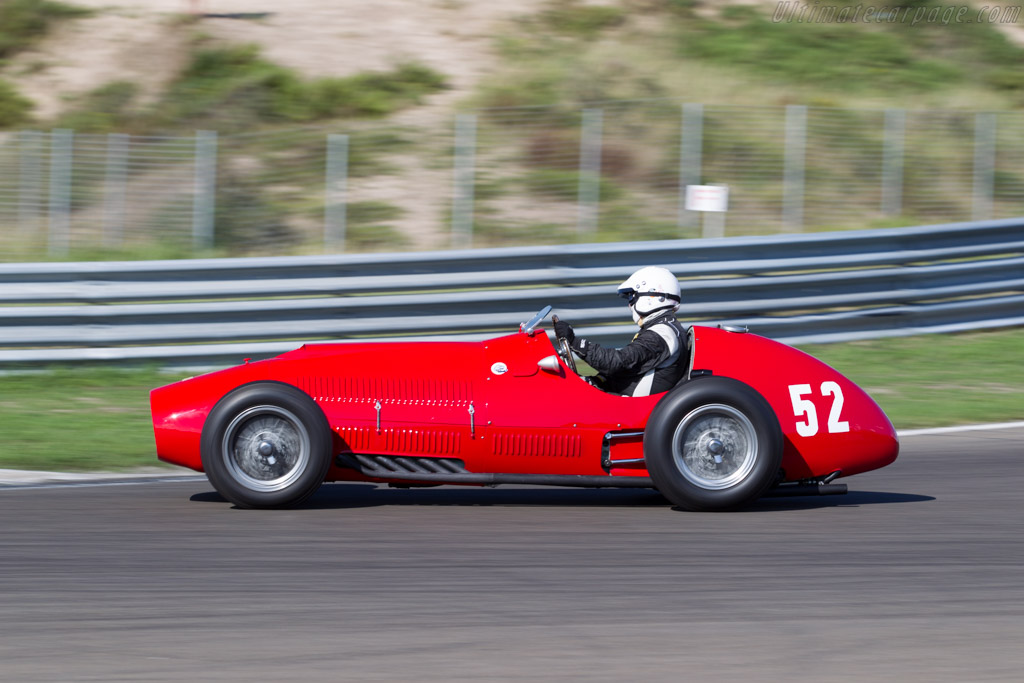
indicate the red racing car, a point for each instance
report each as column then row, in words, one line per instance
column 752, row 417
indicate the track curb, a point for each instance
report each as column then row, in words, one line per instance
column 35, row 478
column 961, row 428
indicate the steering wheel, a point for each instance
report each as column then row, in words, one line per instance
column 564, row 350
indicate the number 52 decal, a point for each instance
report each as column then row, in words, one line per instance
column 803, row 407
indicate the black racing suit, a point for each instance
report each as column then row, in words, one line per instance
column 653, row 362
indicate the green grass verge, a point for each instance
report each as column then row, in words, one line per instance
column 937, row 380
column 71, row 419
column 98, row 418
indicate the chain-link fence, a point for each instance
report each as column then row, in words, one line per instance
column 518, row 176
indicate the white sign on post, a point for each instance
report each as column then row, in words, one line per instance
column 709, row 199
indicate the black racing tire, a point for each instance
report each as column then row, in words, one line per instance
column 266, row 445
column 713, row 444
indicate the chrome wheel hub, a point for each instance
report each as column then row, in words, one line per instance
column 266, row 448
column 714, row 446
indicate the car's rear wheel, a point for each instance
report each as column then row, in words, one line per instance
column 713, row 444
column 266, row 445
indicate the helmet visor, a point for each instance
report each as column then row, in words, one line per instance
column 630, row 295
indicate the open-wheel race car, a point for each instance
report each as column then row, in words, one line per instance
column 751, row 417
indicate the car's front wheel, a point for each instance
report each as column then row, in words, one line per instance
column 266, row 445
column 713, row 444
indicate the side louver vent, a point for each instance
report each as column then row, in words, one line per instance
column 543, row 445
column 395, row 466
column 433, row 392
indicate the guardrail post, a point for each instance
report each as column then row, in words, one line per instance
column 61, row 150
column 115, row 188
column 793, row 174
column 691, row 147
column 892, row 161
column 984, row 165
column 31, row 179
column 204, row 189
column 336, row 194
column 589, row 192
column 462, row 197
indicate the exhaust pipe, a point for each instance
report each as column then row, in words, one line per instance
column 821, row 487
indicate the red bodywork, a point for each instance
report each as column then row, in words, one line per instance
column 490, row 405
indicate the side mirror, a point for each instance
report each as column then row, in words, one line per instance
column 529, row 326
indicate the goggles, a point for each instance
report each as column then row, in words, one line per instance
column 632, row 296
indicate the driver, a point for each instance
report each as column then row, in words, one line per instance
column 657, row 357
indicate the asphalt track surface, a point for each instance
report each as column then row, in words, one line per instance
column 917, row 574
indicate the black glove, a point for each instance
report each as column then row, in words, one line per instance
column 564, row 329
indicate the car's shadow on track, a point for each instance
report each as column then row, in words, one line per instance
column 851, row 499
column 341, row 496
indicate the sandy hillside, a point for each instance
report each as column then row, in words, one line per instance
column 145, row 41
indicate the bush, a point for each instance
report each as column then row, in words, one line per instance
column 366, row 228
column 374, row 238
column 564, row 185
column 583, row 21
column 236, row 86
column 105, row 109
column 1006, row 79
column 14, row 109
column 361, row 213
column 620, row 222
column 246, row 221
column 831, row 55
column 493, row 232
column 24, row 21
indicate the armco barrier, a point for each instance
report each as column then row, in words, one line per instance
column 797, row 288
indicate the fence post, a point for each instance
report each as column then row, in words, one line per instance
column 589, row 192
column 61, row 150
column 336, row 195
column 115, row 188
column 984, row 165
column 793, row 174
column 464, row 177
column 31, row 179
column 204, row 189
column 691, row 147
column 892, row 161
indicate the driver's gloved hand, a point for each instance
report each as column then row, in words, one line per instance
column 564, row 329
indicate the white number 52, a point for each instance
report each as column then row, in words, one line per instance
column 803, row 407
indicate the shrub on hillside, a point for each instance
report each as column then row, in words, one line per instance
column 14, row 109
column 23, row 21
column 104, row 110
column 237, row 86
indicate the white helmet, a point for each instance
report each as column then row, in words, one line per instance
column 648, row 290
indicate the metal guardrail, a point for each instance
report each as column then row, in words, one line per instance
column 803, row 288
